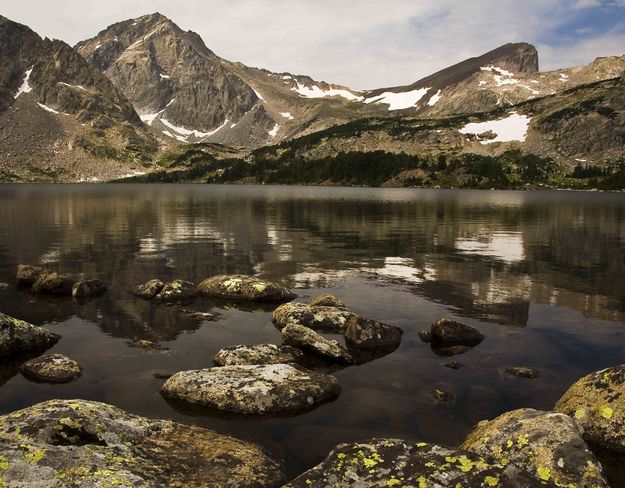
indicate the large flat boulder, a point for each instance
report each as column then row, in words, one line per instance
column 329, row 319
column 17, row 336
column 252, row 389
column 297, row 335
column 547, row 444
column 244, row 287
column 382, row 463
column 257, row 354
column 597, row 403
column 89, row 444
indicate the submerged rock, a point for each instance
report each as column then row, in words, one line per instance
column 257, row 354
column 326, row 300
column 252, row 389
column 177, row 290
column 54, row 284
column 149, row 289
column 244, row 287
column 330, row 319
column 394, row 463
column 597, row 403
column 17, row 336
column 307, row 339
column 27, row 275
column 371, row 334
column 88, row 288
column 146, row 344
column 90, row 444
column 522, row 372
column 448, row 332
column 547, row 444
column 54, row 368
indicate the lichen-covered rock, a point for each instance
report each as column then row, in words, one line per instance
column 76, row 443
column 252, row 389
column 330, row 319
column 522, row 372
column 257, row 354
column 54, row 368
column 371, row 334
column 597, row 403
column 177, row 290
column 244, row 287
column 379, row 463
column 54, row 284
column 88, row 288
column 307, row 339
column 326, row 300
column 149, row 289
column 448, row 332
column 547, row 444
column 17, row 336
column 27, row 275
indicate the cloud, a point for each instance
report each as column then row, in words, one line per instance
column 370, row 43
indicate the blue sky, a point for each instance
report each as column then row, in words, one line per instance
column 360, row 43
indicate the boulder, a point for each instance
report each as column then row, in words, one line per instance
column 371, row 334
column 522, row 372
column 257, row 354
column 27, row 275
column 448, row 332
column 54, row 368
column 252, row 389
column 547, row 444
column 330, row 319
column 244, row 287
column 88, row 288
column 307, row 339
column 177, row 290
column 325, row 300
column 597, row 403
column 89, row 444
column 54, row 284
column 149, row 289
column 17, row 336
column 381, row 463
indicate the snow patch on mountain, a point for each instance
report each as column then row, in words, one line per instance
column 25, row 87
column 287, row 115
column 400, row 101
column 435, row 98
column 274, row 132
column 260, row 97
column 48, row 109
column 512, row 128
column 503, row 77
column 315, row 91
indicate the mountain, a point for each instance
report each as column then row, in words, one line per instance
column 61, row 118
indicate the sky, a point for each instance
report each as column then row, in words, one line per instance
column 359, row 43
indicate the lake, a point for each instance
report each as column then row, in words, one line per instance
column 541, row 274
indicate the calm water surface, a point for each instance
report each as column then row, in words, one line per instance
column 541, row 274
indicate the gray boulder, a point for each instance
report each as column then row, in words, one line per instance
column 330, row 319
column 54, row 368
column 79, row 443
column 252, row 389
column 307, row 339
column 88, row 288
column 17, row 336
column 149, row 289
column 257, row 354
column 244, row 287
column 364, row 333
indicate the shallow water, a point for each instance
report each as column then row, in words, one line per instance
column 540, row 273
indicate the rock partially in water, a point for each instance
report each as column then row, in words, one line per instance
column 547, row 444
column 448, row 332
column 364, row 333
column 252, row 389
column 257, row 354
column 330, row 319
column 27, row 275
column 89, row 444
column 395, row 463
column 54, row 368
column 177, row 290
column 17, row 336
column 54, row 284
column 149, row 289
column 307, row 339
column 597, row 403
column 326, row 300
column 244, row 287
column 522, row 372
column 88, row 288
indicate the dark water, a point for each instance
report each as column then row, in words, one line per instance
column 541, row 274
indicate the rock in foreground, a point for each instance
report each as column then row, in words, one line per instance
column 54, row 368
column 544, row 443
column 253, row 389
column 394, row 463
column 307, row 339
column 330, row 319
column 244, row 287
column 17, row 336
column 371, row 334
column 597, row 403
column 257, row 354
column 88, row 288
column 89, row 444
column 448, row 332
